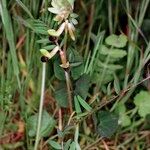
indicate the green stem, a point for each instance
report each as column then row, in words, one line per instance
column 40, row 107
column 67, row 75
column 69, row 92
column 110, row 16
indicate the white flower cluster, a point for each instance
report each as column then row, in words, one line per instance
column 64, row 16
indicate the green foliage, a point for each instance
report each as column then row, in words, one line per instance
column 107, row 123
column 6, row 96
column 113, row 52
column 75, row 58
column 82, row 86
column 116, row 85
column 73, row 146
column 2, row 121
column 67, row 144
column 116, row 41
column 124, row 119
column 47, row 126
column 59, row 72
column 54, row 144
column 114, row 63
column 61, row 95
column 79, row 101
column 76, row 65
column 8, row 28
column 81, row 89
column 142, row 102
column 108, row 59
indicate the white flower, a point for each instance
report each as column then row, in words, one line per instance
column 62, row 9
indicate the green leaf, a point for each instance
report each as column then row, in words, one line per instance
column 77, row 71
column 73, row 146
column 38, row 26
column 58, row 71
column 75, row 58
column 7, row 23
column 43, row 41
column 107, row 123
column 54, row 144
column 111, row 67
column 82, row 86
column 83, row 103
column 124, row 120
column 116, row 84
column 67, row 144
column 109, row 89
column 49, row 47
column 116, row 41
column 61, row 95
column 48, row 124
column 77, row 105
column 142, row 102
column 113, row 52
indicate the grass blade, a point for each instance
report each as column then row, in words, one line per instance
column 10, row 37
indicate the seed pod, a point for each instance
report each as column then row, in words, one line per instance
column 44, row 59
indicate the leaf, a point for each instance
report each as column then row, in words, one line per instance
column 124, row 120
column 54, row 144
column 111, row 67
column 116, row 84
column 77, row 105
column 38, row 26
column 61, row 95
column 58, row 71
column 84, row 104
column 116, row 41
column 7, row 23
column 82, row 86
column 48, row 124
column 67, row 144
column 107, row 123
column 43, row 41
column 73, row 146
column 109, row 89
column 75, row 58
column 142, row 102
column 113, row 52
column 77, row 71
column 49, row 47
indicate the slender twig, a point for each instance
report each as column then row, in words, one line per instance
column 40, row 107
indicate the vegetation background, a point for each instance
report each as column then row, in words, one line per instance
column 110, row 75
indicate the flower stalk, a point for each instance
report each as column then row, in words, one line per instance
column 66, row 20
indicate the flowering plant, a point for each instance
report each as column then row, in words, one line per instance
column 64, row 16
column 66, row 20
